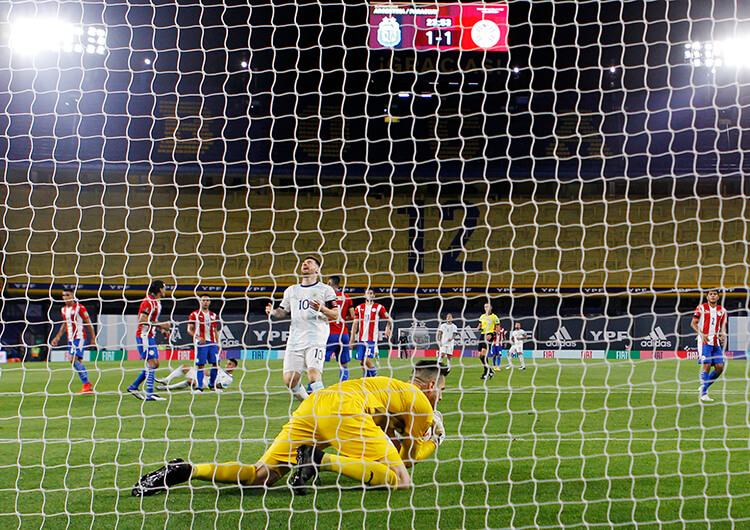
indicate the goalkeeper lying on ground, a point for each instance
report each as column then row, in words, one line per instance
column 364, row 420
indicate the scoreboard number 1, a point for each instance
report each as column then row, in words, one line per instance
column 438, row 37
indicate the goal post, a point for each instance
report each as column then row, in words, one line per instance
column 577, row 166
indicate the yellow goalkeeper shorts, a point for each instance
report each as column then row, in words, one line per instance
column 317, row 422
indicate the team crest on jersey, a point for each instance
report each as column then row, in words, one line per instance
column 389, row 32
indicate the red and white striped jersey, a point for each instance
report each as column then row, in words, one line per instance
column 206, row 323
column 152, row 307
column 499, row 336
column 344, row 301
column 368, row 315
column 711, row 322
column 74, row 316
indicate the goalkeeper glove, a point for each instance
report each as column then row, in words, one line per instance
column 438, row 430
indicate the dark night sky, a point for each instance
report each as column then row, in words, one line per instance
column 313, row 81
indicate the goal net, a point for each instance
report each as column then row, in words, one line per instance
column 579, row 166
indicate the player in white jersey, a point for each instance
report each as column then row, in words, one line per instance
column 517, row 336
column 312, row 305
column 224, row 378
column 446, row 338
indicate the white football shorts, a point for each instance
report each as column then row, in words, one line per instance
column 302, row 360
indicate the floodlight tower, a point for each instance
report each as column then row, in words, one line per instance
column 61, row 63
column 721, row 65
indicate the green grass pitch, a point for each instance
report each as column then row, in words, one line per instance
column 563, row 444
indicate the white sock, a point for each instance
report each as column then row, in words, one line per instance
column 177, row 386
column 523, row 361
column 300, row 392
column 317, row 385
column 175, row 373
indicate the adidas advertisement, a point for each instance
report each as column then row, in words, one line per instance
column 233, row 334
column 657, row 340
column 561, row 339
column 578, row 336
column 613, row 333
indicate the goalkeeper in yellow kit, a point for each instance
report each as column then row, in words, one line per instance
column 378, row 427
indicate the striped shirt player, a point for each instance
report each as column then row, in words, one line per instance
column 145, row 334
column 203, row 326
column 710, row 323
column 75, row 316
column 517, row 337
column 148, row 315
column 206, row 324
column 338, row 339
column 75, row 321
column 312, row 306
column 496, row 348
column 366, row 329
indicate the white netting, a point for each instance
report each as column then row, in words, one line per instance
column 580, row 165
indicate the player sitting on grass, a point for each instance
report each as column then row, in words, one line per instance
column 224, row 378
column 378, row 427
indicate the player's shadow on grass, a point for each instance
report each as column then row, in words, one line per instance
column 279, row 490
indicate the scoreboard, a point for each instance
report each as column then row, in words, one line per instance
column 467, row 26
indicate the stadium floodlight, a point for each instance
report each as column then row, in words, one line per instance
column 733, row 53
column 31, row 36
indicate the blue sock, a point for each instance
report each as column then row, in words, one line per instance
column 712, row 376
column 138, row 380
column 150, row 374
column 212, row 377
column 704, row 382
column 199, row 377
column 344, row 373
column 78, row 365
column 372, row 373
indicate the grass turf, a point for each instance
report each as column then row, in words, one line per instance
column 564, row 443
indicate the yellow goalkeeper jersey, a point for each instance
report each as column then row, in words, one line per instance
column 390, row 402
column 355, row 418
